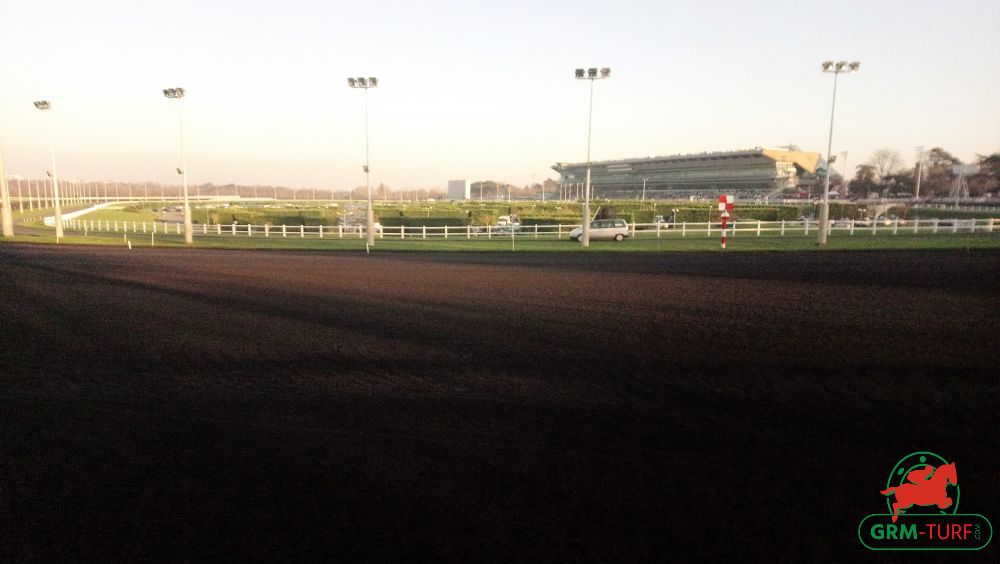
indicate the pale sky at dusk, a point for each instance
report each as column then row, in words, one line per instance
column 480, row 90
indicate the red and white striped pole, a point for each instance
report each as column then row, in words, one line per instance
column 725, row 206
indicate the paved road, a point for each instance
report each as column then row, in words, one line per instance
column 275, row 405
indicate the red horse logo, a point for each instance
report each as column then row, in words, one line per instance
column 926, row 487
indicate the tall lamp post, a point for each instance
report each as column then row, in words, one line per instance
column 45, row 105
column 836, row 69
column 590, row 74
column 6, row 214
column 177, row 94
column 920, row 166
column 365, row 84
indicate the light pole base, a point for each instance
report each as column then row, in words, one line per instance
column 370, row 223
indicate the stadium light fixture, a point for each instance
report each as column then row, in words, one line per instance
column 45, row 105
column 592, row 75
column 177, row 94
column 365, row 84
column 824, row 217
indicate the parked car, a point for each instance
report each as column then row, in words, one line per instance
column 616, row 229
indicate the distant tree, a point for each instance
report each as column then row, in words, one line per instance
column 864, row 181
column 988, row 179
column 937, row 176
column 884, row 163
column 902, row 183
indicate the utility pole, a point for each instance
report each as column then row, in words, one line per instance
column 920, row 166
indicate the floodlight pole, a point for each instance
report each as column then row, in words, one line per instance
column 365, row 84
column 369, row 213
column 824, row 217
column 20, row 200
column 178, row 94
column 591, row 75
column 45, row 105
column 6, row 215
column 586, row 194
column 920, row 166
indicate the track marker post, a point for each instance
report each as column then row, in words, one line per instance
column 725, row 207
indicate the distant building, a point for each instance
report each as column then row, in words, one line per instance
column 458, row 190
column 746, row 174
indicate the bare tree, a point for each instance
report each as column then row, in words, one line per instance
column 884, row 162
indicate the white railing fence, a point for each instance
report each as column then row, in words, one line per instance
column 737, row 229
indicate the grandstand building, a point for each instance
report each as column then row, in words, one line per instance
column 752, row 173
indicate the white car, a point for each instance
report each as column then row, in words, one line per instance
column 616, row 229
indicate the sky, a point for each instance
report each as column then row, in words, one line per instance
column 479, row 90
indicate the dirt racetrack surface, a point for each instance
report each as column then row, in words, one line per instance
column 179, row 404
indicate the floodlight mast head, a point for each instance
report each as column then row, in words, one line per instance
column 362, row 82
column 173, row 92
column 841, row 66
column 43, row 104
column 593, row 73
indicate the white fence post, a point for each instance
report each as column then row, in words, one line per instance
column 709, row 229
column 233, row 227
column 423, row 230
column 916, row 226
column 302, row 231
column 267, row 230
column 807, row 226
column 684, row 228
column 218, row 229
column 249, row 230
column 935, row 230
column 895, row 226
column 321, row 231
column 178, row 225
column 782, row 228
column 989, row 226
column 468, row 232
column 852, row 227
column 758, row 228
column 445, row 231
